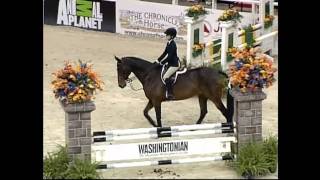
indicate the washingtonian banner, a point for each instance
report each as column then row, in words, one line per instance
column 144, row 150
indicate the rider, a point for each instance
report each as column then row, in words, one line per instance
column 172, row 59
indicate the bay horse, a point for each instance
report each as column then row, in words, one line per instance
column 204, row 82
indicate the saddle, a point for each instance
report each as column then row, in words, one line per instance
column 175, row 75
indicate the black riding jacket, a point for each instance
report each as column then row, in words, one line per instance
column 172, row 58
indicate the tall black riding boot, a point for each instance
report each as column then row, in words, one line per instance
column 169, row 90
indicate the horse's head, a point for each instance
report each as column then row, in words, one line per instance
column 123, row 72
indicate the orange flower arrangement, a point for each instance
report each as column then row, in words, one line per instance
column 251, row 69
column 74, row 85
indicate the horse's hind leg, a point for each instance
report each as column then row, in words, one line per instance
column 145, row 113
column 221, row 107
column 203, row 108
column 230, row 106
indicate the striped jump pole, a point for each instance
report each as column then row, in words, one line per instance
column 165, row 162
column 104, row 138
column 158, row 130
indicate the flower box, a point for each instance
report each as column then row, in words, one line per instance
column 197, row 49
column 196, row 11
column 230, row 15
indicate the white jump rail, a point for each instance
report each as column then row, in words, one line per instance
column 164, row 162
column 162, row 135
column 123, row 132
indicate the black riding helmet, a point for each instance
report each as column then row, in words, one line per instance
column 171, row 31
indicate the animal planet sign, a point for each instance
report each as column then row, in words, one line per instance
column 145, row 18
column 160, row 149
column 80, row 13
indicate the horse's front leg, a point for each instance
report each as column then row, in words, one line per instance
column 157, row 108
column 145, row 112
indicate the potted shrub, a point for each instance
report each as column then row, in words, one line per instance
column 251, row 161
column 56, row 166
column 256, row 158
column 270, row 148
column 82, row 169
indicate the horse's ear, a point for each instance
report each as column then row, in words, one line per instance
column 119, row 60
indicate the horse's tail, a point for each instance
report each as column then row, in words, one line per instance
column 223, row 73
column 226, row 92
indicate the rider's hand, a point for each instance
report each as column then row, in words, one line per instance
column 159, row 62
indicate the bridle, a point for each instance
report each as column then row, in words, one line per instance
column 130, row 80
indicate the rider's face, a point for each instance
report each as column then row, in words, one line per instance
column 168, row 37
